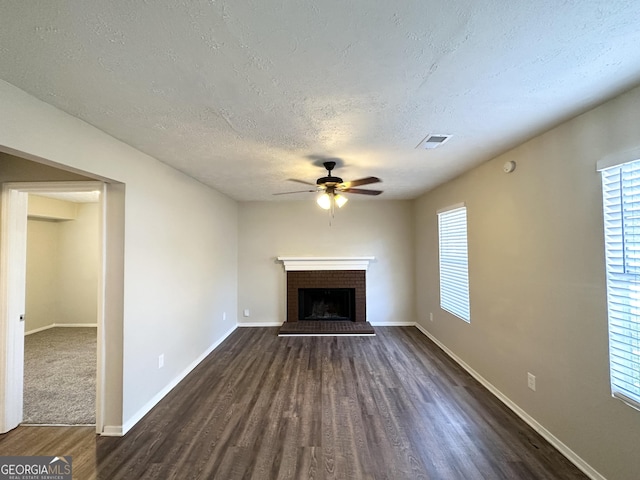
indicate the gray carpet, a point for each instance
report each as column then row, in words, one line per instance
column 60, row 376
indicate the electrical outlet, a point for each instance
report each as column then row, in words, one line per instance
column 431, row 316
column 246, row 312
column 531, row 381
column 161, row 360
column 224, row 316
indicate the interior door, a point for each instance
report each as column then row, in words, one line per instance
column 13, row 266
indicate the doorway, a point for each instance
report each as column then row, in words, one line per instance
column 61, row 308
column 13, row 255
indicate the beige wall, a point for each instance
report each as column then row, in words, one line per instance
column 62, row 265
column 382, row 229
column 16, row 169
column 41, row 306
column 180, row 251
column 537, row 282
column 79, row 262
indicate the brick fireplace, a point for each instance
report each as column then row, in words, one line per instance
column 324, row 274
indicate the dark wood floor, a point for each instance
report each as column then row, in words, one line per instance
column 265, row 407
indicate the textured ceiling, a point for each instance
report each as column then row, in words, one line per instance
column 245, row 94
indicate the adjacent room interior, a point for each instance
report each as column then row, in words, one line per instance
column 61, row 309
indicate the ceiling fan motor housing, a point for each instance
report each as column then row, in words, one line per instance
column 330, row 180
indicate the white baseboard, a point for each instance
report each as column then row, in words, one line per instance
column 113, row 430
column 63, row 325
column 71, row 325
column 41, row 329
column 552, row 439
column 260, row 324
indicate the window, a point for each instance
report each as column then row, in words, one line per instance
column 621, row 206
column 454, row 268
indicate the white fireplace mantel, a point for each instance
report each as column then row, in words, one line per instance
column 325, row 263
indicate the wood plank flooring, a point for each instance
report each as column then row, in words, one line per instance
column 393, row 406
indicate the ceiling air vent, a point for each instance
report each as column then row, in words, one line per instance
column 433, row 140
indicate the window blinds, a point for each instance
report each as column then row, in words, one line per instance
column 454, row 268
column 621, row 202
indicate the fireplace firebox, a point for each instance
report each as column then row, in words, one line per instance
column 326, row 304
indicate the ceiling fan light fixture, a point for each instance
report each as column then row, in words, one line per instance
column 340, row 200
column 330, row 189
column 324, row 200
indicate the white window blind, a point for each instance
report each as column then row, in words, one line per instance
column 621, row 205
column 454, row 267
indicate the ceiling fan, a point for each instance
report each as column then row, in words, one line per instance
column 331, row 188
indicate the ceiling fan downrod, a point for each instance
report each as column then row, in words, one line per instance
column 329, row 179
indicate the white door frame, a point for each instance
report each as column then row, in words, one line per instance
column 13, row 242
